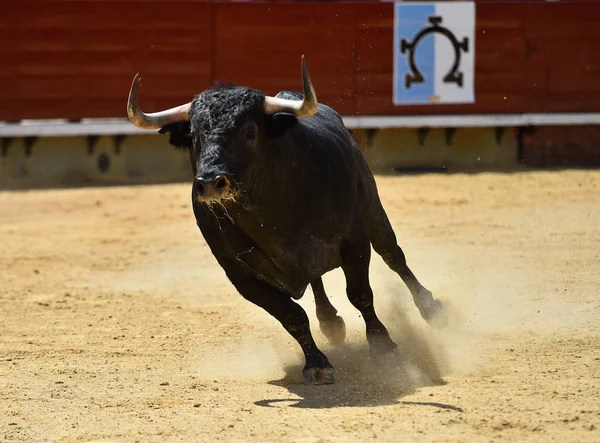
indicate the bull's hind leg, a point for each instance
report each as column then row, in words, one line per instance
column 384, row 243
column 383, row 238
column 332, row 325
column 292, row 317
column 356, row 256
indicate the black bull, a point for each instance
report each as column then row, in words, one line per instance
column 282, row 195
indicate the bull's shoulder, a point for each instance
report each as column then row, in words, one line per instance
column 325, row 125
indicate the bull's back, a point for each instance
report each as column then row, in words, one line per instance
column 326, row 182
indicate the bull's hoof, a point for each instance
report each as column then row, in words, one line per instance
column 318, row 376
column 334, row 330
column 432, row 310
column 380, row 345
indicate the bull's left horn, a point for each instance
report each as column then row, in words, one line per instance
column 304, row 108
column 154, row 120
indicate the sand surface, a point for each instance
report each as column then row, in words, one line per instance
column 118, row 325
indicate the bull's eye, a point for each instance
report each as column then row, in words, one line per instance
column 251, row 134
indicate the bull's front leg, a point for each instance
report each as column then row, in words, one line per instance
column 293, row 318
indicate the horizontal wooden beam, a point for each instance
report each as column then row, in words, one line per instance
column 56, row 128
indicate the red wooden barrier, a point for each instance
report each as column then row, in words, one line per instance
column 562, row 44
column 76, row 58
column 265, row 52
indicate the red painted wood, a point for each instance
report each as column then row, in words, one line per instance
column 76, row 58
column 562, row 56
column 264, row 52
column 10, row 57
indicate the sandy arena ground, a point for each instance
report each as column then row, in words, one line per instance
column 117, row 324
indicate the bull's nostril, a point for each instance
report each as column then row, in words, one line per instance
column 221, row 182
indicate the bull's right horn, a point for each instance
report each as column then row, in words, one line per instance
column 304, row 108
column 154, row 120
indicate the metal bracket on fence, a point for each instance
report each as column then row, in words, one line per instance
column 370, row 136
column 499, row 134
column 119, row 139
column 92, row 141
column 5, row 143
column 422, row 133
column 450, row 135
column 29, row 142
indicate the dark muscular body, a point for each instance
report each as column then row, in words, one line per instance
column 282, row 200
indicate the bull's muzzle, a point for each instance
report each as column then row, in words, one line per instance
column 211, row 188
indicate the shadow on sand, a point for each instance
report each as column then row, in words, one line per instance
column 361, row 381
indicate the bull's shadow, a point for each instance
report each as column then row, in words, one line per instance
column 366, row 380
column 361, row 381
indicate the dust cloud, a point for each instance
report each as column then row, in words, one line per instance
column 267, row 353
column 484, row 297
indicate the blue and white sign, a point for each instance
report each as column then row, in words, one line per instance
column 434, row 52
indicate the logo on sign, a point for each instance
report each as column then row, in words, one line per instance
column 433, row 52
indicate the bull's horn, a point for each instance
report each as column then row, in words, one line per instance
column 155, row 120
column 304, row 108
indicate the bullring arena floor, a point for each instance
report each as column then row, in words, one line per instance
column 117, row 324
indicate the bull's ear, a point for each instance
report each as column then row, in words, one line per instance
column 179, row 134
column 277, row 125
